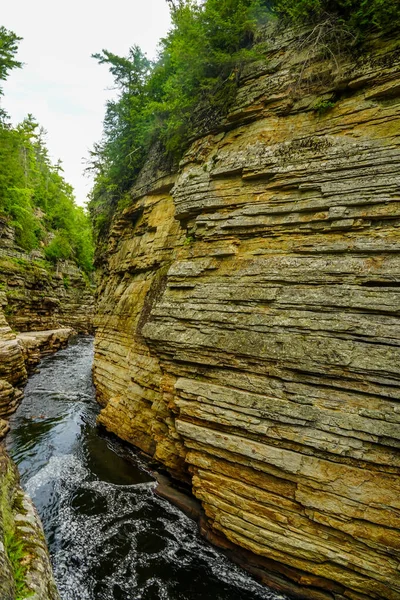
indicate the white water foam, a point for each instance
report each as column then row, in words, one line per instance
column 59, row 468
column 112, row 542
column 86, row 540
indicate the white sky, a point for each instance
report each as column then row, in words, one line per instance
column 60, row 84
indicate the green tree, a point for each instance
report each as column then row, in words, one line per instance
column 36, row 199
column 8, row 49
column 182, row 94
column 34, row 196
column 191, row 85
column 121, row 150
column 358, row 15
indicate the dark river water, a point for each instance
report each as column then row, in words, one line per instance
column 110, row 536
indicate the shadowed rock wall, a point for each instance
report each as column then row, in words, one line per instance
column 247, row 322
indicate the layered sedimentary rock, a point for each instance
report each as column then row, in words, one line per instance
column 247, row 325
column 12, row 369
column 25, row 569
column 34, row 295
column 46, row 303
column 19, row 354
column 36, row 344
column 42, row 296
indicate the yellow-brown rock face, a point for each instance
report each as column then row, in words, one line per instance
column 247, row 325
column 39, row 295
column 12, row 369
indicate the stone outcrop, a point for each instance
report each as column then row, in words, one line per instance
column 25, row 569
column 19, row 355
column 42, row 296
column 37, row 344
column 247, row 331
column 13, row 372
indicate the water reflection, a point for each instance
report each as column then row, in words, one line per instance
column 110, row 537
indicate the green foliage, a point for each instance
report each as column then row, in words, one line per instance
column 13, row 543
column 191, row 85
column 181, row 95
column 16, row 553
column 58, row 249
column 358, row 15
column 8, row 48
column 37, row 200
column 8, row 311
column 120, row 154
column 201, row 59
column 322, row 106
column 21, row 262
column 34, row 196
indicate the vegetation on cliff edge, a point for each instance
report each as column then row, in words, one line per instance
column 194, row 79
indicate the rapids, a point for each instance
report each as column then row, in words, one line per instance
column 110, row 537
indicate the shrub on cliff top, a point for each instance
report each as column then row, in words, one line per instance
column 358, row 15
column 193, row 82
column 58, row 249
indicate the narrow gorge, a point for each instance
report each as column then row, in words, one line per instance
column 41, row 306
column 39, row 312
column 200, row 367
column 247, row 332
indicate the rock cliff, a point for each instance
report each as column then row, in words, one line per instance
column 42, row 296
column 25, row 569
column 247, row 331
column 40, row 307
column 13, row 372
column 19, row 354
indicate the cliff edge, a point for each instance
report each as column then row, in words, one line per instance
column 247, row 331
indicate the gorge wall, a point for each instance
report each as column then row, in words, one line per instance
column 41, row 305
column 25, row 569
column 41, row 296
column 247, row 332
column 13, row 372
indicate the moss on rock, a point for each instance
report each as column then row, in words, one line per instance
column 25, row 570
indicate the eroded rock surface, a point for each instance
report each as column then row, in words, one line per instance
column 12, row 369
column 247, row 323
column 19, row 354
column 25, row 569
column 36, row 344
column 42, row 296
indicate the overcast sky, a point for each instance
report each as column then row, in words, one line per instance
column 60, row 84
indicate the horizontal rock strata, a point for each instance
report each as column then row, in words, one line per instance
column 13, row 372
column 34, row 295
column 42, row 296
column 29, row 574
column 247, row 326
column 19, row 354
column 36, row 344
